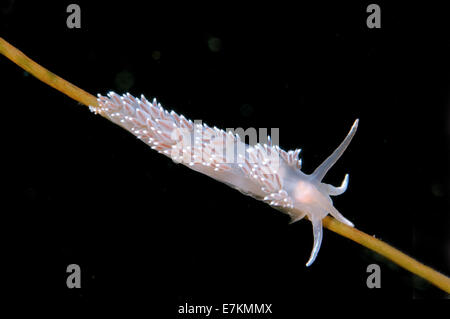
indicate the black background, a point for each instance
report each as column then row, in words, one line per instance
column 151, row 235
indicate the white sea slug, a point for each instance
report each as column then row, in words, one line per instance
column 263, row 171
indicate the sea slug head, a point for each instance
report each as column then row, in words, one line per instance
column 312, row 197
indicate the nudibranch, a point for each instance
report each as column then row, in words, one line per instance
column 263, row 171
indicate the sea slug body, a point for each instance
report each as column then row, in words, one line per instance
column 263, row 171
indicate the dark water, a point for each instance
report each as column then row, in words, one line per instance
column 151, row 235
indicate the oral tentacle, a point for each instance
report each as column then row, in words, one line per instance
column 323, row 168
column 317, row 232
column 335, row 191
column 336, row 214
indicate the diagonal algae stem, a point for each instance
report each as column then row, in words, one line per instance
column 439, row 280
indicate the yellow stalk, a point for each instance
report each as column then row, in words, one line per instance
column 439, row 280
